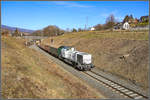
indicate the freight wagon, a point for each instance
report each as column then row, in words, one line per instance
column 80, row 60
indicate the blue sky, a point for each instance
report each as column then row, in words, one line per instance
column 67, row 14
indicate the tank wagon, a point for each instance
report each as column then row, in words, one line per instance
column 80, row 60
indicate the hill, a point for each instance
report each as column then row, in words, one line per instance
column 14, row 28
column 122, row 53
column 28, row 74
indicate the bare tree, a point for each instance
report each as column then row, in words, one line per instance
column 98, row 27
column 37, row 33
column 51, row 31
column 16, row 33
column 79, row 30
column 110, row 21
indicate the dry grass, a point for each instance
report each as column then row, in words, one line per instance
column 108, row 48
column 28, row 74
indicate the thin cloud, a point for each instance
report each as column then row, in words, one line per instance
column 71, row 4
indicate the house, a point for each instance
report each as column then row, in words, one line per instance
column 126, row 26
column 118, row 25
column 144, row 19
column 121, row 25
column 135, row 21
column 92, row 29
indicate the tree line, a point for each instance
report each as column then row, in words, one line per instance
column 110, row 22
column 134, row 22
column 50, row 30
column 8, row 32
column 53, row 30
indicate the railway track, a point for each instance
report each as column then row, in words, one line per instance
column 116, row 87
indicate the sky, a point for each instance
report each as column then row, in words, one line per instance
column 36, row 15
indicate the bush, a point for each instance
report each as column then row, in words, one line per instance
column 142, row 24
column 74, row 30
column 5, row 32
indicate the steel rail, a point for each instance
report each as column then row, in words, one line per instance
column 116, row 86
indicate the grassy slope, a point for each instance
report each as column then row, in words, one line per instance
column 28, row 74
column 107, row 49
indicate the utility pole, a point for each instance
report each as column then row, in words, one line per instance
column 86, row 24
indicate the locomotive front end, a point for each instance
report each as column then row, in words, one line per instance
column 84, row 61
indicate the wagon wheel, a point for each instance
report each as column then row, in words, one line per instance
column 80, row 68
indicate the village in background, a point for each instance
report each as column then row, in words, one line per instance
column 128, row 23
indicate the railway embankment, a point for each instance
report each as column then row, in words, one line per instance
column 28, row 74
column 121, row 53
column 109, row 85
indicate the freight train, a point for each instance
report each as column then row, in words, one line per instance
column 80, row 60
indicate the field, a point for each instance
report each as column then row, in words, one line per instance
column 28, row 74
column 122, row 53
